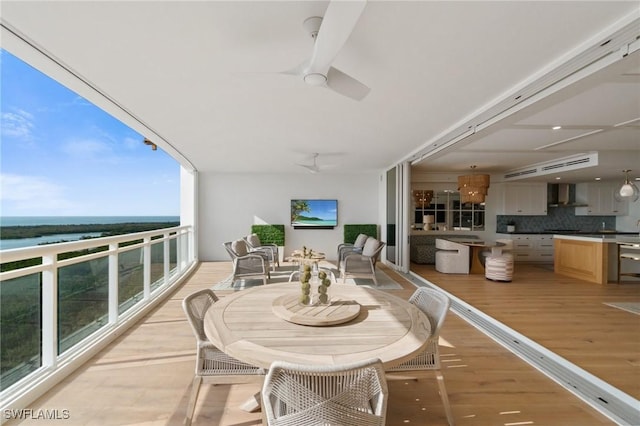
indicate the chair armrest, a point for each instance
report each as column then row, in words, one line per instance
column 346, row 250
column 270, row 247
column 341, row 245
column 255, row 255
column 274, row 246
column 267, row 252
column 356, row 257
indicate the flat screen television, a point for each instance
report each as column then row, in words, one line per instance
column 314, row 214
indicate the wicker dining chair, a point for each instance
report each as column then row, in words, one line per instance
column 352, row 394
column 435, row 306
column 212, row 365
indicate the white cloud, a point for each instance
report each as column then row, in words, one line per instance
column 32, row 195
column 87, row 148
column 18, row 124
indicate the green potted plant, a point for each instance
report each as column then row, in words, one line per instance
column 271, row 234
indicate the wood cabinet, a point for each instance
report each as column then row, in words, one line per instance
column 599, row 196
column 520, row 199
column 582, row 258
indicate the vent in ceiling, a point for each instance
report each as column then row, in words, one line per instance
column 560, row 165
column 520, row 173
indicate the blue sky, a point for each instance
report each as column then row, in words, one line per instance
column 323, row 209
column 63, row 156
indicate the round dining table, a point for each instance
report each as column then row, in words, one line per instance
column 263, row 324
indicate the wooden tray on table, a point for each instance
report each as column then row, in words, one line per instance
column 338, row 311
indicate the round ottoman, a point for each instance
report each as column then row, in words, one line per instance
column 499, row 267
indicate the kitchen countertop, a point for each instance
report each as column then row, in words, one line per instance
column 599, row 233
column 600, row 238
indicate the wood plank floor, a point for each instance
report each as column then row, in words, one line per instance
column 144, row 377
column 566, row 315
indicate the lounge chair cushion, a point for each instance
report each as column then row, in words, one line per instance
column 370, row 246
column 254, row 240
column 240, row 247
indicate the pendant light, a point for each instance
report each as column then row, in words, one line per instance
column 473, row 187
column 628, row 191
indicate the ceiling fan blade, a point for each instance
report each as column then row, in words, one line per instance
column 310, row 168
column 337, row 25
column 297, row 70
column 313, row 168
column 346, row 85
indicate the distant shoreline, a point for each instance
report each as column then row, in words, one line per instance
column 15, row 232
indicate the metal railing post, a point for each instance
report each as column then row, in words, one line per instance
column 113, row 283
column 49, row 310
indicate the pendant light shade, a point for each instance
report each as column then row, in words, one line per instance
column 628, row 191
column 473, row 187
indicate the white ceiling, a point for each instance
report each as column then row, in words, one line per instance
column 201, row 79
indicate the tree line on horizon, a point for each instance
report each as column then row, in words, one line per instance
column 106, row 230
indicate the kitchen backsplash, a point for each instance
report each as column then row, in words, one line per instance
column 556, row 218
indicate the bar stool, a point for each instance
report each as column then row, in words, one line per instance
column 498, row 266
column 628, row 255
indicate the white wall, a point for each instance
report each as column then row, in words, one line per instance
column 188, row 203
column 230, row 203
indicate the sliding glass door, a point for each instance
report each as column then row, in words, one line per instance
column 397, row 216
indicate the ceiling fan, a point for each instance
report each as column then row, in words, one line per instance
column 313, row 168
column 330, row 33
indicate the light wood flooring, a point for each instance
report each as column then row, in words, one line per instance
column 144, row 377
column 563, row 314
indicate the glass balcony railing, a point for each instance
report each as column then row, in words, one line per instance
column 20, row 317
column 58, row 300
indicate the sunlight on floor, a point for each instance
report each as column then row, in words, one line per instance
column 502, row 413
column 443, row 342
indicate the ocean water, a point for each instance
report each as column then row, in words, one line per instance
column 6, row 244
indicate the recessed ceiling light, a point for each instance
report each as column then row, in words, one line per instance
column 598, row 178
column 556, row 128
column 558, row 178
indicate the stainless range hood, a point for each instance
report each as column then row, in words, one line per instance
column 563, row 195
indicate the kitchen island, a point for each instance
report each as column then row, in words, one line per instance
column 592, row 258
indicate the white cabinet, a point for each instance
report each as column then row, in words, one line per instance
column 528, row 199
column 544, row 249
column 599, row 196
column 531, row 247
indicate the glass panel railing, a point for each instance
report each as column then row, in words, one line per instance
column 157, row 265
column 81, row 299
column 83, row 292
column 173, row 255
column 20, row 332
column 130, row 279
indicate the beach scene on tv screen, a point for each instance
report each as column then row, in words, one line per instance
column 314, row 212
